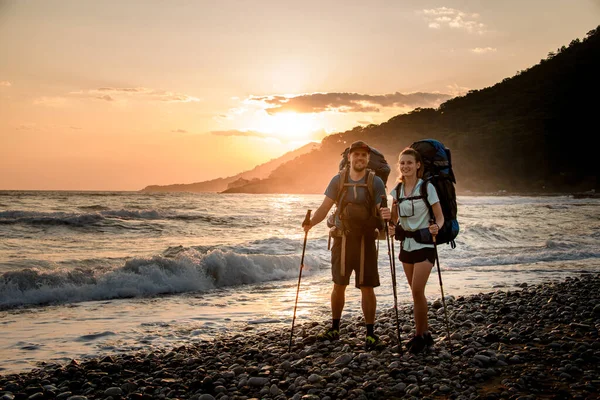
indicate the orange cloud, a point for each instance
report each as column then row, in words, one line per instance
column 483, row 50
column 347, row 102
column 105, row 97
column 30, row 126
column 315, row 135
column 115, row 94
column 235, row 132
column 51, row 101
column 457, row 90
column 449, row 17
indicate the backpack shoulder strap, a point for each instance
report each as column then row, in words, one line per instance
column 397, row 189
column 371, row 190
column 370, row 179
column 343, row 174
column 422, row 194
column 343, row 179
column 425, row 199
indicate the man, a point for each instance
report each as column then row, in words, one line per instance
column 355, row 232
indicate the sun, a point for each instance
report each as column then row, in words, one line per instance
column 288, row 125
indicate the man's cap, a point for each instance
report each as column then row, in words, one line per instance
column 359, row 145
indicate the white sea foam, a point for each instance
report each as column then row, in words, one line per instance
column 139, row 277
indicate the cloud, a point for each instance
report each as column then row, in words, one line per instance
column 316, row 135
column 125, row 93
column 30, row 126
column 127, row 90
column 347, row 102
column 457, row 90
column 438, row 18
column 222, row 117
column 55, row 101
column 483, row 50
column 179, row 131
column 234, row 132
column 175, row 98
column 5, row 83
column 105, row 97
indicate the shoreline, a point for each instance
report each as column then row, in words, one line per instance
column 578, row 195
column 540, row 341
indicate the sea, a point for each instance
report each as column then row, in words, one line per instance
column 89, row 274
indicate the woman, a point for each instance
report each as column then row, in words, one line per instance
column 412, row 214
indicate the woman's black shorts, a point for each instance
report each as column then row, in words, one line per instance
column 417, row 256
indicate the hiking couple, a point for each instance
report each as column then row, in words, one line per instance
column 357, row 224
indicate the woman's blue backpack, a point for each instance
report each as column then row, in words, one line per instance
column 437, row 163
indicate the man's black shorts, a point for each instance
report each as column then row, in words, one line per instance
column 369, row 275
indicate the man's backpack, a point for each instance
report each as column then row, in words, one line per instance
column 437, row 165
column 377, row 166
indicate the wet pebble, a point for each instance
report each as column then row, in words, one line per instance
column 515, row 344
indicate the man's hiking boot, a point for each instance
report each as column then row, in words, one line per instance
column 416, row 344
column 372, row 342
column 428, row 339
column 330, row 334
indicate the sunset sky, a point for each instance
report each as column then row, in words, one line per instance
column 118, row 95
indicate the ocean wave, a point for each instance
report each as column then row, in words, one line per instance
column 562, row 245
column 480, row 232
column 95, row 207
column 102, row 214
column 557, row 206
column 190, row 271
column 94, row 336
column 550, row 251
column 134, row 214
column 269, row 246
column 57, row 218
column 503, row 200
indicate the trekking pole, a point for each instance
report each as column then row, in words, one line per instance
column 393, row 272
column 305, row 222
column 394, row 283
column 437, row 259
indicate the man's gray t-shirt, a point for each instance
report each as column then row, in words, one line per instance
column 360, row 196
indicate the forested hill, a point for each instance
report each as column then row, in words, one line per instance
column 533, row 132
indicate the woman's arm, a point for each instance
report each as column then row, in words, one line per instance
column 439, row 219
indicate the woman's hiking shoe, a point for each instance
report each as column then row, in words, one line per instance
column 329, row 334
column 416, row 344
column 372, row 342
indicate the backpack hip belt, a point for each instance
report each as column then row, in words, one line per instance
column 422, row 236
column 402, row 234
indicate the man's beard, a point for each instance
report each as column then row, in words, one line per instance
column 359, row 168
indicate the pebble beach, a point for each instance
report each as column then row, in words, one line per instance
column 537, row 341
